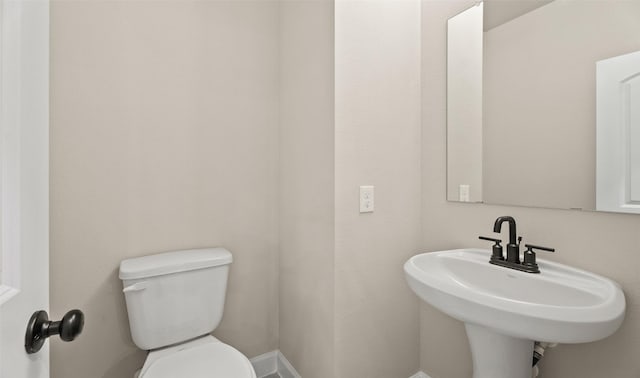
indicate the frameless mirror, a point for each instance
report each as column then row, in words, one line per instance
column 543, row 104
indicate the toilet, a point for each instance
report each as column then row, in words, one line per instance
column 174, row 301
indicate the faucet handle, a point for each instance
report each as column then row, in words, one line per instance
column 497, row 248
column 547, row 249
column 530, row 256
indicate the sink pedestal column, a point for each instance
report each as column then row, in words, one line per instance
column 498, row 356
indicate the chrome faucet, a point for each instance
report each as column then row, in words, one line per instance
column 513, row 248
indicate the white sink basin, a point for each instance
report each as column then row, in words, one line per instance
column 505, row 309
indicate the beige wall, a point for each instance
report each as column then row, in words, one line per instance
column 540, row 100
column 164, row 135
column 377, row 142
column 157, row 143
column 343, row 312
column 187, row 124
column 607, row 244
column 306, row 186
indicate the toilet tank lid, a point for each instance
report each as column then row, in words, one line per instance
column 173, row 262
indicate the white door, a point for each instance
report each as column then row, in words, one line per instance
column 618, row 134
column 24, row 181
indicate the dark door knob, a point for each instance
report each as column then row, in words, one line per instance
column 40, row 328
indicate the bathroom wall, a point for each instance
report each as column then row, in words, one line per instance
column 604, row 243
column 377, row 142
column 189, row 124
column 307, row 205
column 164, row 135
column 345, row 310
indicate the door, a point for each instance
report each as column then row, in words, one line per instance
column 618, row 134
column 24, row 181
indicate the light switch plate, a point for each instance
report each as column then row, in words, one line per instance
column 366, row 199
column 463, row 193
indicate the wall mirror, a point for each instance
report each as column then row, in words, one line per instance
column 543, row 104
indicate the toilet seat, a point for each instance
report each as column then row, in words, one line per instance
column 205, row 357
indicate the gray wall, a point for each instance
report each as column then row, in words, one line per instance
column 164, row 135
column 607, row 244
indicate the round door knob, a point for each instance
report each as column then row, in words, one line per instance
column 70, row 326
column 40, row 328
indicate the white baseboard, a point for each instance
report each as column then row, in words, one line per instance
column 285, row 369
column 273, row 362
column 265, row 364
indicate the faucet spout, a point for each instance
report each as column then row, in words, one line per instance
column 497, row 227
column 513, row 248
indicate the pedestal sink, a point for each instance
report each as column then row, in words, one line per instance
column 505, row 310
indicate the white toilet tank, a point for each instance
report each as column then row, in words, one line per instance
column 175, row 296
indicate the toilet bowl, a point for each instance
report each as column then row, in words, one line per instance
column 201, row 358
column 174, row 301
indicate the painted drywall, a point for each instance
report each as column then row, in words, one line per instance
column 343, row 311
column 307, row 206
column 604, row 243
column 377, row 142
column 164, row 135
column 540, row 100
column 497, row 12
